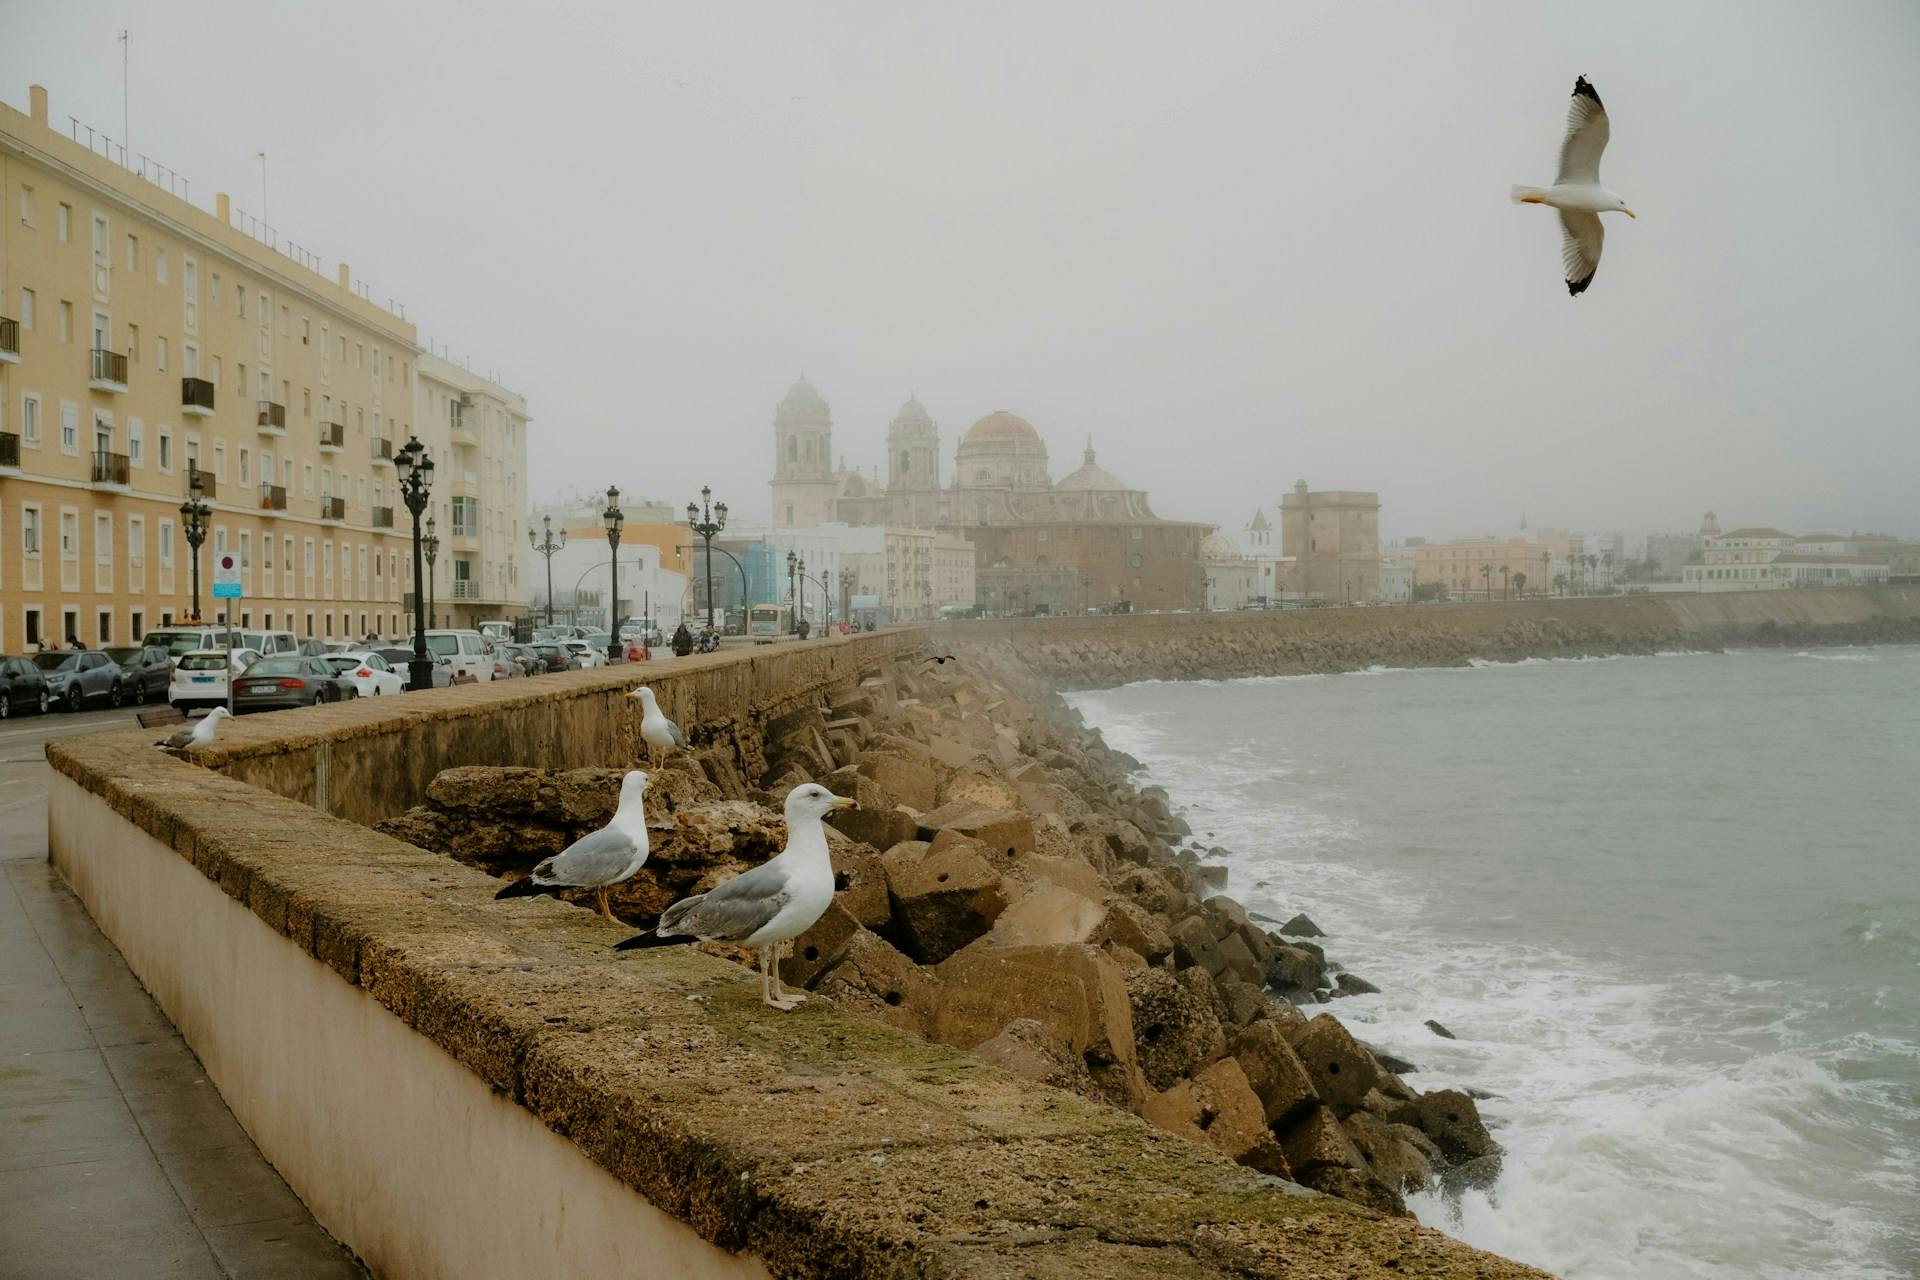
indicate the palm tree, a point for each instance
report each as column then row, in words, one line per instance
column 1593, row 562
column 1506, row 575
column 1520, row 585
column 1607, row 560
column 1560, row 583
column 1486, row 576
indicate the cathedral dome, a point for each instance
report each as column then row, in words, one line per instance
column 802, row 405
column 913, row 416
column 999, row 429
column 1218, row 546
column 1091, row 477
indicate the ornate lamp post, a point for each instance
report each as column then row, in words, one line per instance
column 548, row 547
column 706, row 520
column 847, row 579
column 431, row 545
column 194, row 514
column 613, row 518
column 800, row 600
column 415, row 466
column 793, row 615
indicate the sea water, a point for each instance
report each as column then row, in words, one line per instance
column 1670, row 907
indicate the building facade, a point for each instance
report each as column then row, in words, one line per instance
column 145, row 344
column 1762, row 558
column 477, row 432
column 1333, row 538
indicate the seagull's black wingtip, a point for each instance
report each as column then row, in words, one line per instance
column 526, row 888
column 1583, row 88
column 640, row 941
column 1577, row 287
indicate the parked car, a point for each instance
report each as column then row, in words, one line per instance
column 507, row 664
column 181, row 640
column 370, row 673
column 468, row 651
column 290, row 680
column 588, row 651
column 267, row 643
column 23, row 687
column 312, row 648
column 400, row 659
column 79, row 676
column 530, row 662
column 200, row 678
column 552, row 656
column 145, row 672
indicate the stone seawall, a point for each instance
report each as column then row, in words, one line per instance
column 1097, row 652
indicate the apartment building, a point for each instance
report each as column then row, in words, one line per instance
column 150, row 348
column 477, row 432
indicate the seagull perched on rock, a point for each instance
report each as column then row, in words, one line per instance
column 600, row 860
column 196, row 735
column 1577, row 192
column 655, row 729
column 768, row 906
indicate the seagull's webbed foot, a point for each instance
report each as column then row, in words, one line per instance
column 606, row 911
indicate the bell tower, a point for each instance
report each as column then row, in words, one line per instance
column 803, row 479
column 913, row 449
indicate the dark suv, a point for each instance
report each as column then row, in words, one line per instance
column 145, row 672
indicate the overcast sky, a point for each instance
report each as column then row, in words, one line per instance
column 1238, row 244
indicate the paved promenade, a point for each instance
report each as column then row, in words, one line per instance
column 117, row 1156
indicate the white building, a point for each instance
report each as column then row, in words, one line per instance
column 582, row 583
column 476, row 431
column 1766, row 559
column 1233, row 578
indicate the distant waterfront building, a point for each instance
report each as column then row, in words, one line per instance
column 1333, row 538
column 1259, row 542
column 1233, row 578
column 1762, row 558
column 1670, row 553
column 1469, row 567
column 1396, row 579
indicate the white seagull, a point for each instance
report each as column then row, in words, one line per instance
column 768, row 906
column 599, row 860
column 1577, row 192
column 655, row 729
column 196, row 735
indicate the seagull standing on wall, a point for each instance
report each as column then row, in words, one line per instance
column 1577, row 192
column 196, row 735
column 768, row 906
column 655, row 729
column 599, row 860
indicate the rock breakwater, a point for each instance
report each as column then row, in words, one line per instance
column 1006, row 888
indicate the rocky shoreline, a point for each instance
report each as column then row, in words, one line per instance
column 1007, row 888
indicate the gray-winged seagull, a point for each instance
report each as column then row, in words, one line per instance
column 1577, row 192
column 598, row 860
column 655, row 729
column 196, row 735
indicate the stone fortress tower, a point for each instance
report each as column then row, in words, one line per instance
column 1333, row 536
column 804, row 483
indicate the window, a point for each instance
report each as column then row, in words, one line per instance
column 26, row 204
column 166, row 543
column 220, row 461
column 66, row 321
column 213, row 288
column 102, row 538
column 243, row 467
column 100, row 238
column 306, row 484
column 136, row 442
column 133, row 253
column 30, row 530
column 133, row 344
column 240, row 299
column 160, row 354
column 34, row 634
column 30, row 421
column 166, row 453
column 160, row 274
column 26, row 308
column 69, row 535
column 69, row 428
column 64, row 223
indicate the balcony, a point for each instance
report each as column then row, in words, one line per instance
column 382, row 452
column 333, row 508
column 9, row 341
column 333, row 437
column 466, row 589
column 383, row 517
column 460, row 424
column 9, row 453
column 201, row 480
column 111, row 470
column 273, row 418
column 196, row 397
column 273, row 497
column 109, row 372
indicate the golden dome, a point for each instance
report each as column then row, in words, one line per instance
column 1001, row 428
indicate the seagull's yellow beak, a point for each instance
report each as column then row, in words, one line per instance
column 1631, row 214
column 844, row 802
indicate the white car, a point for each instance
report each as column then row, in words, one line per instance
column 585, row 654
column 468, row 651
column 372, row 676
column 200, row 676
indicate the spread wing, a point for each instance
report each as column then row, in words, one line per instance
column 1587, row 133
column 732, row 911
column 600, row 858
column 1581, row 239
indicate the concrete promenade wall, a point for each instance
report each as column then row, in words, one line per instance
column 1091, row 652
column 373, row 757
column 464, row 1087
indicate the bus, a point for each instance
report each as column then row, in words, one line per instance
column 768, row 622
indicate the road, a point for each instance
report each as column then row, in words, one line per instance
column 117, row 1157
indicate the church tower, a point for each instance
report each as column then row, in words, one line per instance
column 913, row 450
column 803, row 477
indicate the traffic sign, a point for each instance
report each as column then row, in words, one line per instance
column 226, row 576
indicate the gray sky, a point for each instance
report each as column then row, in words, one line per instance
column 1239, row 244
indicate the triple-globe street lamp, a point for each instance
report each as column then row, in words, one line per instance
column 613, row 518
column 548, row 546
column 415, row 466
column 194, row 515
column 796, row 590
column 431, row 545
column 706, row 520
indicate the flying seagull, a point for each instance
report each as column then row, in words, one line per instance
column 599, row 860
column 655, row 729
column 943, row 660
column 768, row 906
column 196, row 735
column 1577, row 192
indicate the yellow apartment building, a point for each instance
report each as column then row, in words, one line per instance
column 144, row 343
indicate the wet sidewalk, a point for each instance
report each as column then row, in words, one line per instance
column 117, row 1156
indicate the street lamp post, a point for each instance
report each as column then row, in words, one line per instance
column 847, row 579
column 793, row 611
column 800, row 600
column 415, row 466
column 613, row 518
column 431, row 545
column 706, row 520
column 548, row 547
column 194, row 514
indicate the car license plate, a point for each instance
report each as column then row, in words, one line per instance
column 203, row 679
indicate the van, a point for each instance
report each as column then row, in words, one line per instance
column 183, row 640
column 468, row 651
column 269, row 643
